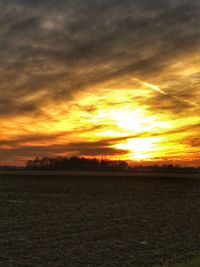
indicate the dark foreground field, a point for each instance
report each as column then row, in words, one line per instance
column 97, row 221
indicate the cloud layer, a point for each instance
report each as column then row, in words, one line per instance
column 52, row 53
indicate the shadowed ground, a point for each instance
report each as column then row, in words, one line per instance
column 62, row 221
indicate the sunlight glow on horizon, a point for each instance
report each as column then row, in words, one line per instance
column 119, row 123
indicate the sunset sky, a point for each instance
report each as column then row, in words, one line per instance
column 100, row 78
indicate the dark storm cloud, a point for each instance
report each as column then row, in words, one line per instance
column 45, row 137
column 20, row 140
column 79, row 149
column 61, row 47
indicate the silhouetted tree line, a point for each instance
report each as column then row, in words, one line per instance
column 85, row 164
column 168, row 168
column 76, row 163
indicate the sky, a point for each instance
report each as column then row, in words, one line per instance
column 115, row 79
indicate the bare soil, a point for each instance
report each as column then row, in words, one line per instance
column 60, row 221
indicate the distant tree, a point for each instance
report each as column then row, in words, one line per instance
column 75, row 163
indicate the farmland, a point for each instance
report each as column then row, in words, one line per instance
column 98, row 220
